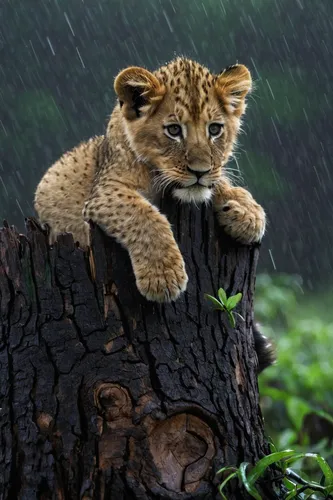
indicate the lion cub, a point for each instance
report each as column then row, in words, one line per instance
column 175, row 128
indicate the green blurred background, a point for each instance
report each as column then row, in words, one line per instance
column 58, row 61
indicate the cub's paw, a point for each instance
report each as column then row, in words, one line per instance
column 163, row 280
column 245, row 222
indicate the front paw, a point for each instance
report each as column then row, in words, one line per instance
column 245, row 222
column 162, row 280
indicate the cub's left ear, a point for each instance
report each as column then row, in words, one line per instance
column 232, row 86
column 139, row 92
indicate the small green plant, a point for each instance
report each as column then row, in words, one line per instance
column 296, row 486
column 225, row 304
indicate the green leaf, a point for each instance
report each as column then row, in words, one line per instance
column 216, row 303
column 272, row 446
column 222, row 296
column 326, row 469
column 292, row 494
column 265, row 462
column 248, row 485
column 298, row 456
column 288, row 484
column 233, row 301
column 231, row 319
column 292, row 460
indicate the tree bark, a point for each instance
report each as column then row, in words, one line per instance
column 105, row 395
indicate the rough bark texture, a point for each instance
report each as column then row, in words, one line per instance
column 105, row 395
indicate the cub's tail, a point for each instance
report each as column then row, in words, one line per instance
column 264, row 347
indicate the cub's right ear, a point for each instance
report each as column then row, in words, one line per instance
column 139, row 92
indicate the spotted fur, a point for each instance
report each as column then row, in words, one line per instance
column 113, row 179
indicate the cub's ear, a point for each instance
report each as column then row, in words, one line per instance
column 139, row 92
column 232, row 86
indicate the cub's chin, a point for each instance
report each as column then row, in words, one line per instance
column 193, row 194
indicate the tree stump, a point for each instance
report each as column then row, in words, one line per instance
column 105, row 395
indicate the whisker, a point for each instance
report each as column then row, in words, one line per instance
column 232, row 177
column 232, row 169
column 233, row 173
column 161, row 182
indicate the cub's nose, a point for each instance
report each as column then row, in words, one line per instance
column 198, row 173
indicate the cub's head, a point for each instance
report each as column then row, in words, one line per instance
column 183, row 122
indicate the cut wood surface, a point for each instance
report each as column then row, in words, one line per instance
column 105, row 395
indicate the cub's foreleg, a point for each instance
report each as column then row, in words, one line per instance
column 138, row 225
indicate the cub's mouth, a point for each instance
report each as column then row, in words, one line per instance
column 187, row 191
column 193, row 194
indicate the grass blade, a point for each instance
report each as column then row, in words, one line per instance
column 326, row 470
column 250, row 488
column 265, row 462
column 222, row 485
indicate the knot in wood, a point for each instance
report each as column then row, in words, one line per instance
column 113, row 401
column 183, row 450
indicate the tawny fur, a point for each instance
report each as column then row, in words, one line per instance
column 113, row 179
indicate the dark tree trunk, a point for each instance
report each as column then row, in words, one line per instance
column 107, row 396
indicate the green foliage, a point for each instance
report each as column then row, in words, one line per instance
column 277, row 297
column 225, row 304
column 297, row 486
column 296, row 393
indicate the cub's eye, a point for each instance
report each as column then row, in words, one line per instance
column 215, row 129
column 173, row 130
